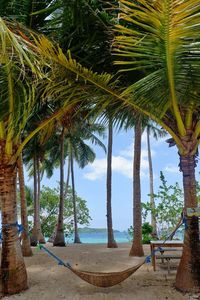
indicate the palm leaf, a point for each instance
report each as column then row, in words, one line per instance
column 161, row 40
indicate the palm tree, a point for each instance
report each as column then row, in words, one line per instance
column 83, row 154
column 76, row 234
column 137, row 249
column 26, row 247
column 87, row 23
column 33, row 154
column 24, row 12
column 156, row 134
column 164, row 44
column 17, row 68
column 59, row 239
column 152, row 202
column 75, row 131
column 19, row 73
column 111, row 240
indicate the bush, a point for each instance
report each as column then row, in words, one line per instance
column 147, row 230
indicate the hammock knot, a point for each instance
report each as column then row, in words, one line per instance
column 148, row 259
column 16, row 224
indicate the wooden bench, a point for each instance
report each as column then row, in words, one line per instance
column 165, row 246
column 168, row 257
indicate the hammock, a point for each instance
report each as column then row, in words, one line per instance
column 104, row 279
column 100, row 279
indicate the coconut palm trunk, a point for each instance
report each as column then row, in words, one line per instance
column 111, row 241
column 152, row 202
column 76, row 234
column 67, row 180
column 41, row 238
column 188, row 274
column 25, row 239
column 137, row 249
column 59, row 239
column 13, row 271
column 36, row 231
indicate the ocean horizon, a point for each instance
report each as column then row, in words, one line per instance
column 99, row 237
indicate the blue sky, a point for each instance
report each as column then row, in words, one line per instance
column 91, row 181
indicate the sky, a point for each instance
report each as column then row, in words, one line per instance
column 91, row 181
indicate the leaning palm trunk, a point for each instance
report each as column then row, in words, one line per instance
column 13, row 271
column 76, row 235
column 25, row 239
column 111, row 241
column 188, row 274
column 137, row 249
column 59, row 239
column 152, row 202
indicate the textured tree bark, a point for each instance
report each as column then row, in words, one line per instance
column 111, row 240
column 76, row 235
column 137, row 249
column 188, row 273
column 25, row 239
column 152, row 202
column 59, row 239
column 13, row 271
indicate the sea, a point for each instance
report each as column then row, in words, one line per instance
column 100, row 237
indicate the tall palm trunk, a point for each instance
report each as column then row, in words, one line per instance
column 137, row 249
column 152, row 202
column 76, row 234
column 59, row 239
column 34, row 235
column 36, row 231
column 13, row 271
column 111, row 241
column 26, row 246
column 41, row 238
column 68, row 177
column 188, row 274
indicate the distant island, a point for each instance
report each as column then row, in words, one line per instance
column 94, row 230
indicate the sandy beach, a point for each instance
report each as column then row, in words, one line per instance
column 49, row 281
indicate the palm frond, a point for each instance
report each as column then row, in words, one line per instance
column 161, row 39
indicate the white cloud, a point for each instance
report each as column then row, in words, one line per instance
column 171, row 168
column 129, row 151
column 97, row 169
column 121, row 164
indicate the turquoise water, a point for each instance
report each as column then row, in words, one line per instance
column 100, row 238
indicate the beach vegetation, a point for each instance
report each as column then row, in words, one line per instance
column 147, row 233
column 49, row 211
column 168, row 206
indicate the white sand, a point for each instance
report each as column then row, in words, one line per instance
column 48, row 281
